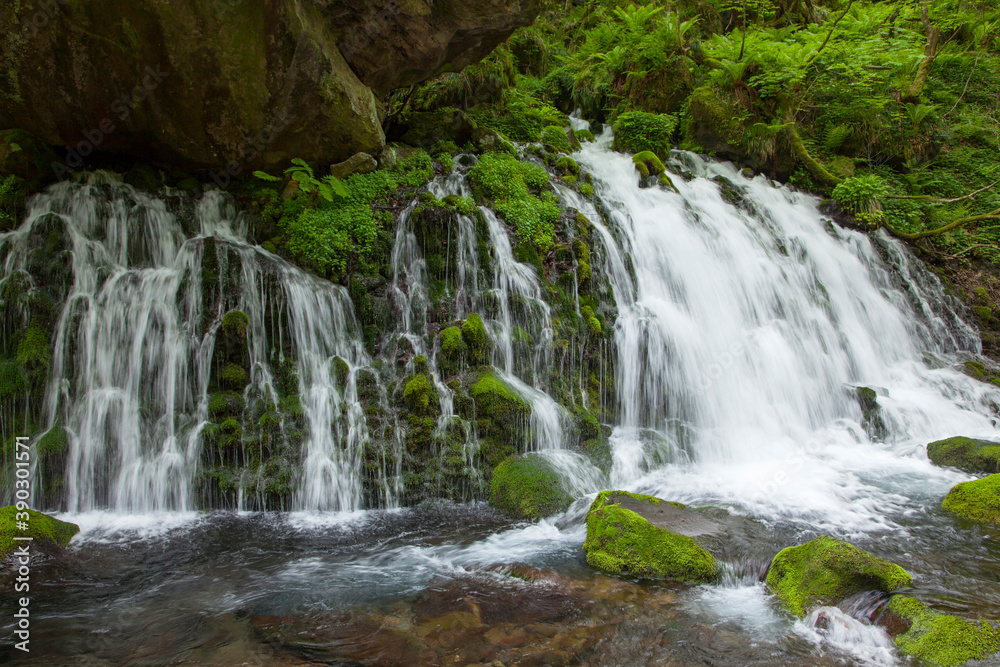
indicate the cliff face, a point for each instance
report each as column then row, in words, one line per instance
column 227, row 84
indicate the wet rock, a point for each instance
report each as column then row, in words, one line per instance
column 359, row 163
column 526, row 487
column 978, row 500
column 825, row 571
column 871, row 413
column 637, row 535
column 230, row 86
column 48, row 534
column 939, row 639
column 968, row 454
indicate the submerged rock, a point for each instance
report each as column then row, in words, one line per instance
column 939, row 638
column 978, row 500
column 825, row 571
column 637, row 535
column 968, row 454
column 527, row 487
column 47, row 534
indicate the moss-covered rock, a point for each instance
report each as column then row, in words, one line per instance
column 968, row 454
column 941, row 639
column 637, row 132
column 647, row 164
column 235, row 323
column 501, row 417
column 825, row 571
column 420, row 395
column 474, row 336
column 233, row 376
column 622, row 541
column 526, row 487
column 454, row 351
column 871, row 413
column 978, row 500
column 48, row 534
column 557, row 138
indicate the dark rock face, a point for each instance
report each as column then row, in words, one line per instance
column 227, row 85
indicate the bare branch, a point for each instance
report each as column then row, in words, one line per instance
column 937, row 200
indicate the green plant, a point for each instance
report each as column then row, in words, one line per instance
column 862, row 197
column 329, row 187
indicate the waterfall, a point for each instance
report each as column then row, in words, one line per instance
column 746, row 320
column 135, row 339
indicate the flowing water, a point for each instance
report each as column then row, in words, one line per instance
column 745, row 322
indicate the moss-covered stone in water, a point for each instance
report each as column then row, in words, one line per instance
column 33, row 350
column 226, row 404
column 474, row 336
column 825, row 571
column 941, row 639
column 972, row 456
column 637, row 132
column 978, row 500
column 527, row 487
column 53, row 443
column 620, row 541
column 235, row 323
column 648, row 164
column 341, row 371
column 584, row 135
column 233, row 376
column 418, row 394
column 557, row 138
column 48, row 533
column 567, row 166
column 453, row 351
column 496, row 400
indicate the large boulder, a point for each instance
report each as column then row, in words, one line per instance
column 978, row 500
column 230, row 86
column 527, row 487
column 972, row 456
column 643, row 536
column 940, row 639
column 47, row 534
column 825, row 571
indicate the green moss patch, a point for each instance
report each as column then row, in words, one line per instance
column 825, row 571
column 473, row 336
column 978, row 500
column 48, row 533
column 620, row 541
column 527, row 487
column 942, row 639
column 505, row 181
column 557, row 138
column 648, row 164
column 637, row 131
column 420, row 395
column 968, row 454
column 235, row 323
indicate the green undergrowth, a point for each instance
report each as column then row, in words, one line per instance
column 511, row 185
column 342, row 236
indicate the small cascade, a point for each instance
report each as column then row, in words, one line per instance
column 157, row 312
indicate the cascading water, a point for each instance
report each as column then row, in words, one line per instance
column 745, row 322
column 134, row 348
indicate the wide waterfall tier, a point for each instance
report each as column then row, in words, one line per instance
column 182, row 357
column 708, row 341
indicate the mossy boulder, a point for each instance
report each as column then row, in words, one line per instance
column 647, row 164
column 454, row 351
column 526, row 487
column 713, row 123
column 420, row 395
column 825, row 571
column 978, row 500
column 474, row 336
column 968, row 454
column 501, row 416
column 941, row 639
column 48, row 534
column 235, row 323
column 871, row 413
column 629, row 534
column 557, row 138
